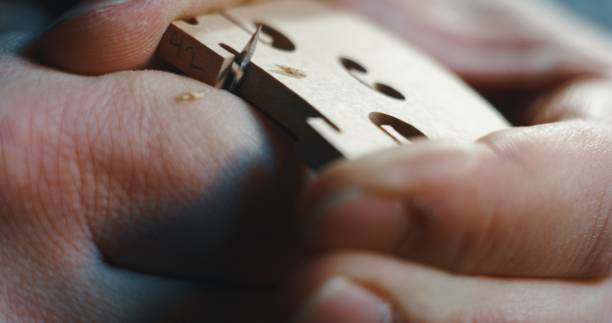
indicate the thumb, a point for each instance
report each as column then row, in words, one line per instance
column 98, row 37
column 526, row 202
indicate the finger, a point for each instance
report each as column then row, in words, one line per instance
column 525, row 202
column 364, row 289
column 586, row 99
column 497, row 44
column 99, row 37
column 73, row 285
column 180, row 188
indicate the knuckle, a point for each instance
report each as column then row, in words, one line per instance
column 513, row 149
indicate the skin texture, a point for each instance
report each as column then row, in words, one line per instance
column 519, row 222
column 120, row 204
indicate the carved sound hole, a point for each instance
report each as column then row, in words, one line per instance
column 192, row 21
column 359, row 72
column 275, row 38
column 398, row 130
column 229, row 48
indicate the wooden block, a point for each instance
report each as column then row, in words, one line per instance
column 341, row 86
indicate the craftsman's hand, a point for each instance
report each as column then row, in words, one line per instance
column 116, row 198
column 120, row 203
column 514, row 228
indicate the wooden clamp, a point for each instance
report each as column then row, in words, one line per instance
column 341, row 86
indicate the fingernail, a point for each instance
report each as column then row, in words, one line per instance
column 340, row 300
column 404, row 170
column 393, row 176
column 335, row 199
column 85, row 7
column 352, row 218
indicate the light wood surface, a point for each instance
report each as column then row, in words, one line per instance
column 341, row 86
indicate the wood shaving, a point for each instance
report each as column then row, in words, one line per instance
column 190, row 96
column 290, row 71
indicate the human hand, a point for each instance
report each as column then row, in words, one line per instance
column 118, row 203
column 512, row 228
column 158, row 248
column 510, row 51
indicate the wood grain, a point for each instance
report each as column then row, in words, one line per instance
column 341, row 86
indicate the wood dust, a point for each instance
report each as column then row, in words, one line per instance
column 190, row 96
column 290, row 71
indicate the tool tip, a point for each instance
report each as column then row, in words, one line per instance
column 250, row 47
column 235, row 72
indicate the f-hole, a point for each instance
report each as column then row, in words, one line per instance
column 360, row 73
column 400, row 131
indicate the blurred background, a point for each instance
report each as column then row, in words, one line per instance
column 599, row 11
column 20, row 20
